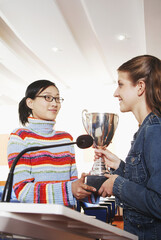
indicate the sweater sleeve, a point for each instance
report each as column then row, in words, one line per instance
column 32, row 190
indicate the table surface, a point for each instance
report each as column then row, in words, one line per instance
column 50, row 221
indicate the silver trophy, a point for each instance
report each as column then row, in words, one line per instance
column 101, row 126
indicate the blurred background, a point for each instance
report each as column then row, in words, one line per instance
column 78, row 44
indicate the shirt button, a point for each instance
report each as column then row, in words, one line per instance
column 132, row 159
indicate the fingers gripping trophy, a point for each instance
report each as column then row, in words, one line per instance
column 101, row 126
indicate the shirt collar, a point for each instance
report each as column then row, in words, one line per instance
column 41, row 127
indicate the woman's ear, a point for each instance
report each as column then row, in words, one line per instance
column 141, row 87
column 29, row 103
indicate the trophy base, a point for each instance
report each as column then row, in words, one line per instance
column 95, row 181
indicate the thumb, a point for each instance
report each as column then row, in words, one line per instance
column 83, row 175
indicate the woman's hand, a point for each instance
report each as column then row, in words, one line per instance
column 80, row 190
column 111, row 160
column 106, row 190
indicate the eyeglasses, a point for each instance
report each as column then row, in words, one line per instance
column 50, row 98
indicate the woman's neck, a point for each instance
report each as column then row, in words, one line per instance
column 141, row 114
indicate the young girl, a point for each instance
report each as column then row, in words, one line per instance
column 48, row 175
column 136, row 183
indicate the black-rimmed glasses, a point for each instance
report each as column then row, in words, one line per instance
column 50, row 98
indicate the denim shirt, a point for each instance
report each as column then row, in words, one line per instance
column 138, row 186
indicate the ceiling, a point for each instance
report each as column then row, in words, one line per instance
column 75, row 43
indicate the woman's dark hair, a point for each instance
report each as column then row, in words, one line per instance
column 31, row 92
column 148, row 69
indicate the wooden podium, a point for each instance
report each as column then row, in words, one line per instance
column 55, row 222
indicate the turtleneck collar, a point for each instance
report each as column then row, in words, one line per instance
column 41, row 127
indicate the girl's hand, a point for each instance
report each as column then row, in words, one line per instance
column 81, row 190
column 106, row 190
column 111, row 160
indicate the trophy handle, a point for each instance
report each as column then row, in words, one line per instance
column 85, row 111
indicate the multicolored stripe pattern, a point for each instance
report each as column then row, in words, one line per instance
column 43, row 176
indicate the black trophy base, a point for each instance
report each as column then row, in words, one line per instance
column 95, row 181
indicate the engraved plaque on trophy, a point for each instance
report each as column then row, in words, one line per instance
column 101, row 126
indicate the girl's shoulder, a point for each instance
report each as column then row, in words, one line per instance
column 21, row 132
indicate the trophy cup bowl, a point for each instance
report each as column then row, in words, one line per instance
column 101, row 126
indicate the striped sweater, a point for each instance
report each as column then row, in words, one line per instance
column 43, row 176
